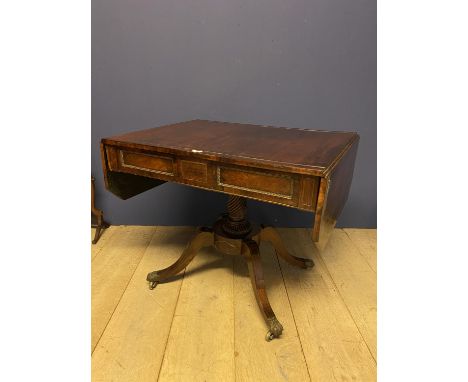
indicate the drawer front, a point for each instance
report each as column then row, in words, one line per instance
column 286, row 189
column 193, row 171
column 267, row 186
column 309, row 192
column 147, row 162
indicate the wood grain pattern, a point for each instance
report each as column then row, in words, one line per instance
column 309, row 192
column 105, row 236
column 264, row 183
column 274, row 147
column 133, row 344
column 196, row 171
column 356, row 283
column 366, row 241
column 299, row 168
column 333, row 194
column 256, row 359
column 123, row 185
column 111, row 272
column 333, row 346
column 146, row 162
column 201, row 341
column 320, row 333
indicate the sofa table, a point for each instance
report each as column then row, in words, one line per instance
column 310, row 170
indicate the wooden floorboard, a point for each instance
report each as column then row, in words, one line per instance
column 104, row 238
column 333, row 346
column 356, row 283
column 201, row 341
column 133, row 344
column 366, row 242
column 111, row 271
column 206, row 326
column 257, row 359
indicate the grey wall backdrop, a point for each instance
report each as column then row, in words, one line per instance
column 295, row 63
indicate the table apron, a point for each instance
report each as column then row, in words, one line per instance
column 278, row 187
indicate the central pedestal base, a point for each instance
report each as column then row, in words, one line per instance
column 233, row 234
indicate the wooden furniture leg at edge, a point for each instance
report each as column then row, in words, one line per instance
column 99, row 214
column 203, row 238
column 271, row 234
column 251, row 252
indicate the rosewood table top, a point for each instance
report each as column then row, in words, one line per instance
column 297, row 150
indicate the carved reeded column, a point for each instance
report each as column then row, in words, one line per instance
column 235, row 221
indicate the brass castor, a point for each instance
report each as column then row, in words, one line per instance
column 275, row 329
column 152, row 284
column 153, row 279
column 309, row 263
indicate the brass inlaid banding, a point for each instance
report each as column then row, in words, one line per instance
column 289, row 183
column 163, row 165
column 197, row 171
column 308, row 192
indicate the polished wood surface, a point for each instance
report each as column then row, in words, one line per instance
column 202, row 239
column 303, row 150
column 333, row 193
column 269, row 234
column 305, row 169
column 176, row 333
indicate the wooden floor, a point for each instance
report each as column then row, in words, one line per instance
column 206, row 326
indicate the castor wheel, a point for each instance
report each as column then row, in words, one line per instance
column 269, row 336
column 275, row 328
column 152, row 284
column 153, row 279
column 308, row 263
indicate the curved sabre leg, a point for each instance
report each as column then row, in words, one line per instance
column 97, row 234
column 271, row 234
column 251, row 252
column 203, row 238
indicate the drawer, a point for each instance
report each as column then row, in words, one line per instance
column 140, row 163
column 193, row 171
column 269, row 186
column 288, row 189
column 147, row 162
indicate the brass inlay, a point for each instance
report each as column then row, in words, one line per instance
column 249, row 197
column 308, row 193
column 289, row 197
column 123, row 164
column 198, row 169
